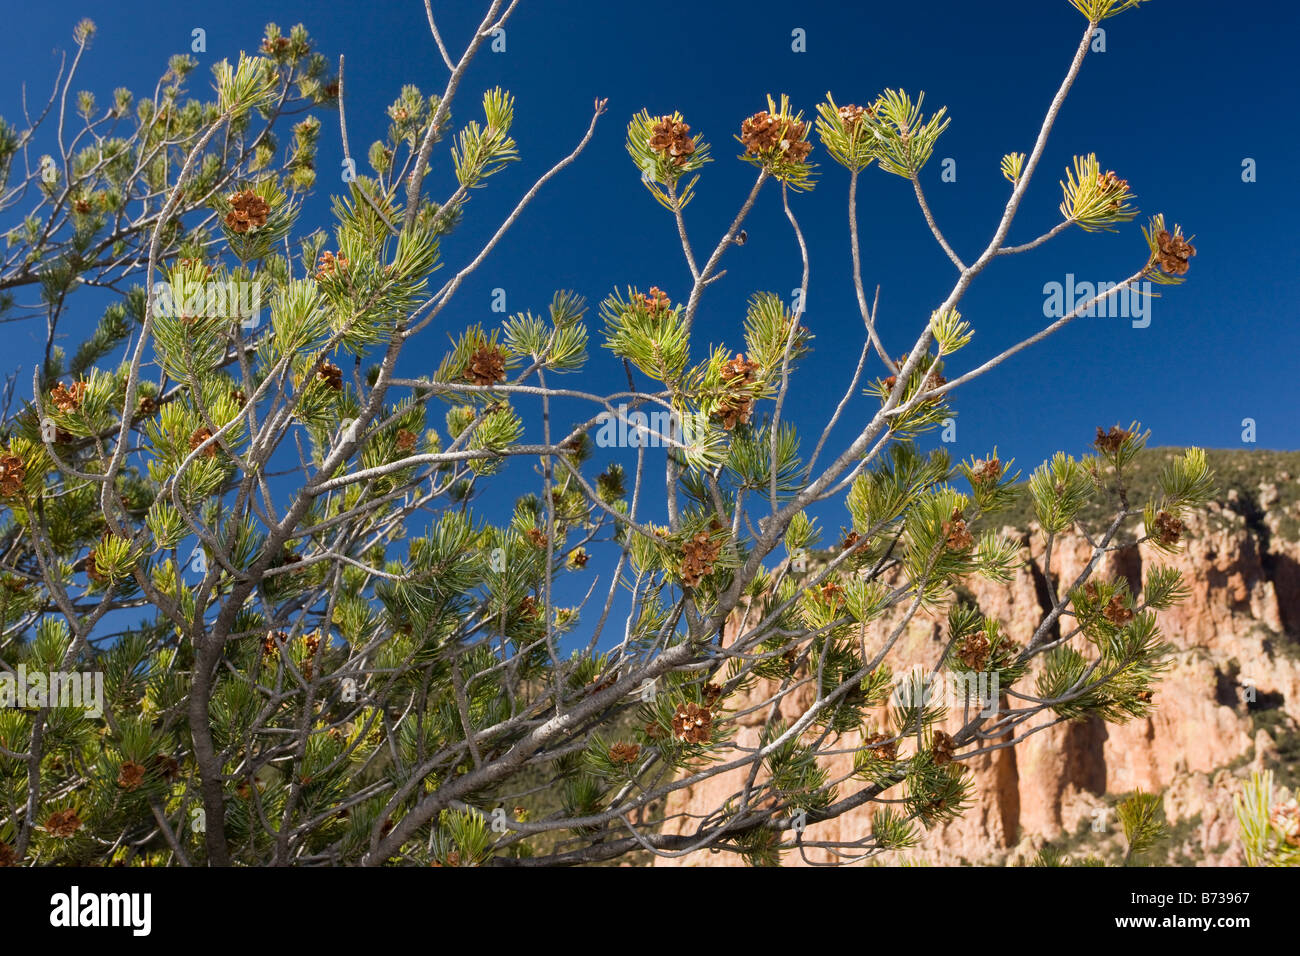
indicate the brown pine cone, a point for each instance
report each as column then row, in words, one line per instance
column 624, row 753
column 199, row 437
column 1168, row 528
column 1110, row 442
column 882, row 747
column 760, row 132
column 692, row 723
column 130, row 775
column 248, row 211
column 62, row 824
column 487, row 366
column 942, row 747
column 1116, row 612
column 1174, row 251
column 330, row 374
column 12, row 473
column 68, row 399
column 698, row 557
column 974, row 651
column 672, row 139
column 956, row 535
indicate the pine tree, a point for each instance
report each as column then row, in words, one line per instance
column 1269, row 822
column 347, row 644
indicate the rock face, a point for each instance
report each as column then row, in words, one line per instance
column 1229, row 703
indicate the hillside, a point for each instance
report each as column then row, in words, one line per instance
column 1229, row 703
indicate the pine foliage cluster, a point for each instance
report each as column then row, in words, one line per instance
column 323, row 596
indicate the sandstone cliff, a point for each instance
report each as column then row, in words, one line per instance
column 1229, row 703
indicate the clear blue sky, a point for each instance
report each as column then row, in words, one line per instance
column 1184, row 92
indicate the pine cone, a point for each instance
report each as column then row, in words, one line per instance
column 934, row 380
column 987, row 471
column 1168, row 528
column 698, row 557
column 692, row 723
column 734, row 408
column 1286, row 818
column 760, row 132
column 942, row 747
column 271, row 643
column 199, row 437
column 146, row 407
column 763, row 132
column 62, row 824
column 851, row 116
column 1116, row 612
column 672, row 140
column 248, row 211
column 329, row 264
column 330, row 374
column 882, row 747
column 8, row 857
column 1110, row 442
column 624, row 753
column 131, row 775
column 796, row 148
column 92, row 572
column 739, row 369
column 653, row 302
column 956, row 535
column 1174, row 251
column 12, row 473
column 892, row 380
column 405, row 440
column 487, row 366
column 1110, row 185
column 68, row 399
column 275, row 47
column 312, row 644
column 974, row 651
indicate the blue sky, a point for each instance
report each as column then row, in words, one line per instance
column 1184, row 92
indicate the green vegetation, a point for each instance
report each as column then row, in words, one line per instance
column 1241, row 470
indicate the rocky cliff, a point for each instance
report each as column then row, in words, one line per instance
column 1229, row 703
